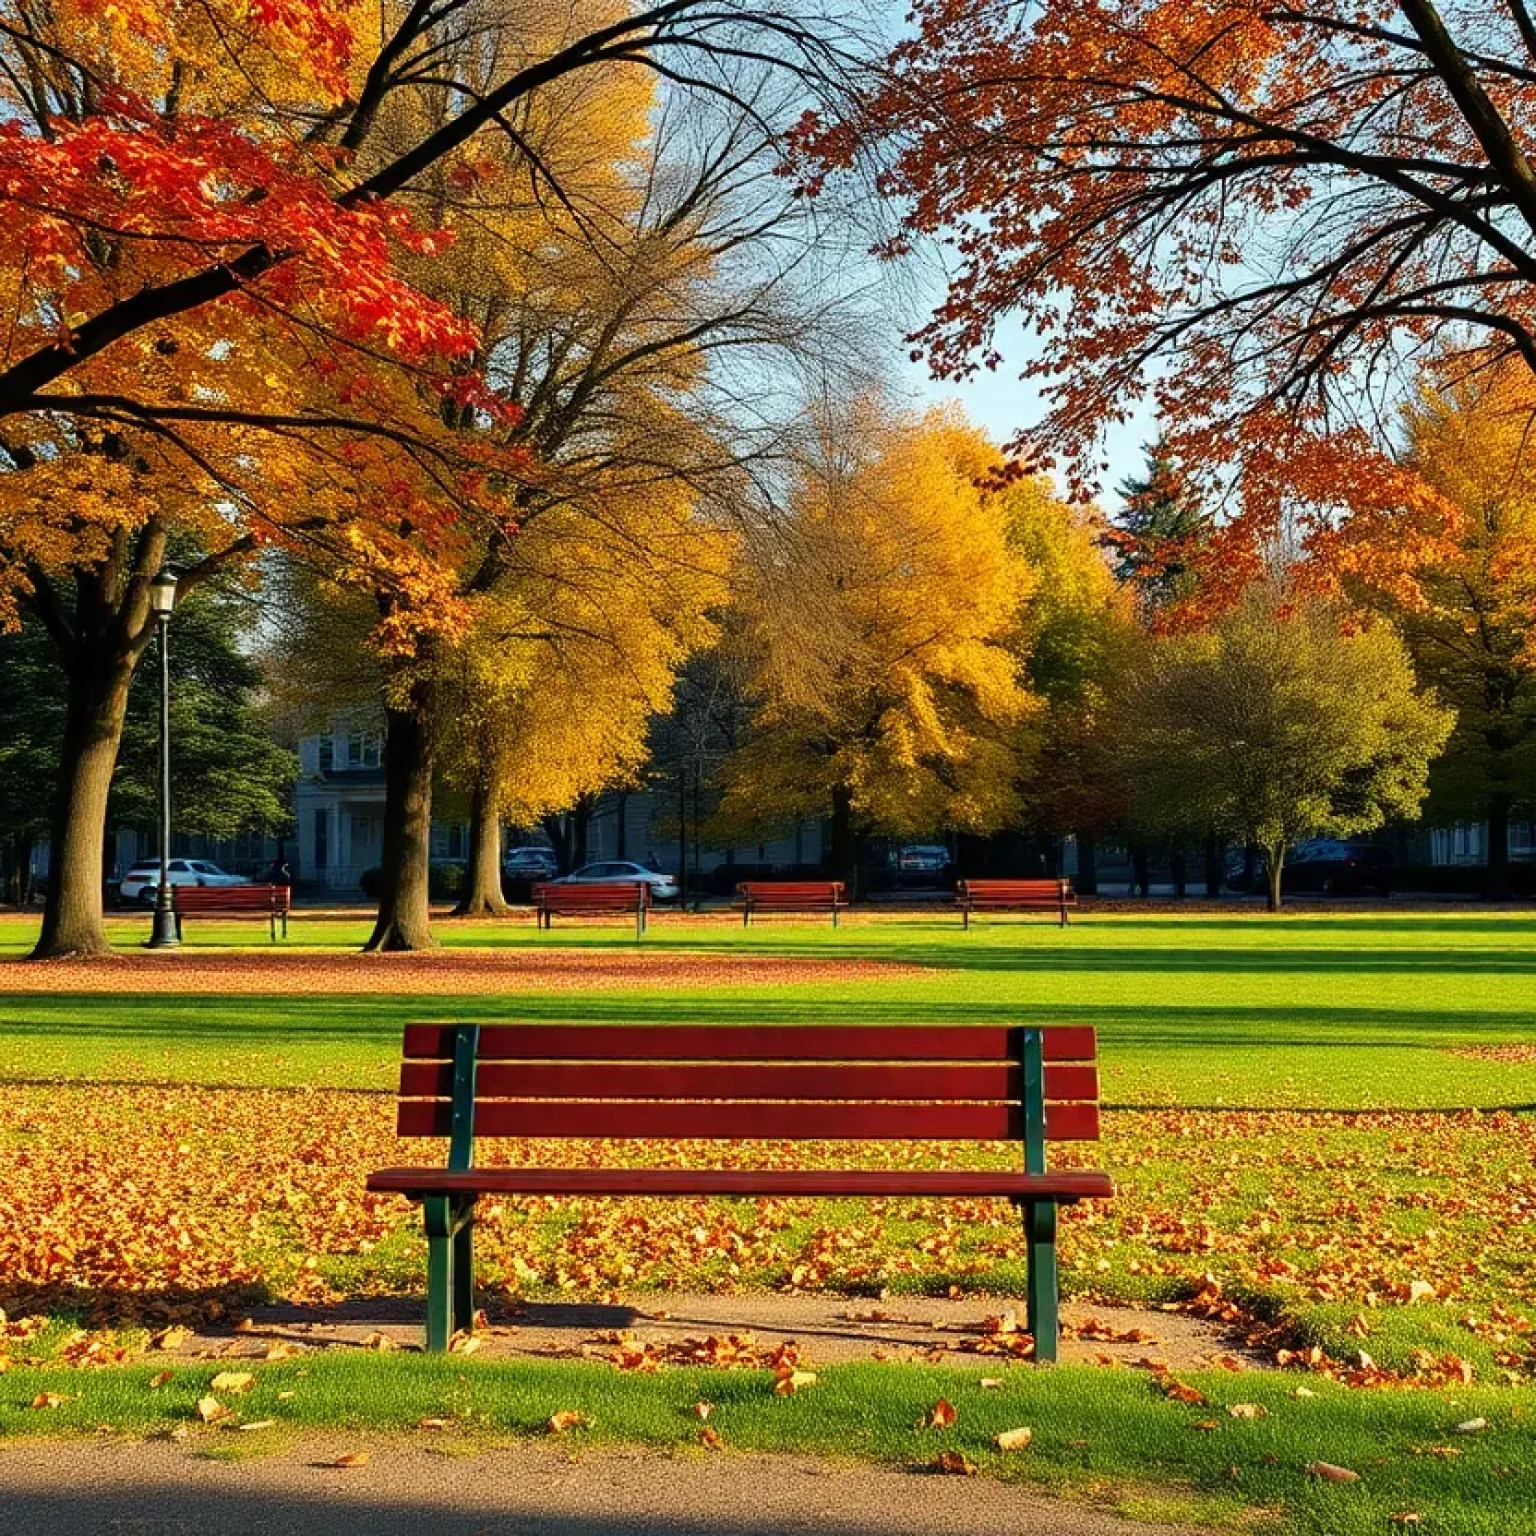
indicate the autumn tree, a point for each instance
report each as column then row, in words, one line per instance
column 1260, row 218
column 1284, row 720
column 1469, row 617
column 211, row 330
column 876, row 618
column 1075, row 635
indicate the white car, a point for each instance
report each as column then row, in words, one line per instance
column 142, row 882
column 620, row 872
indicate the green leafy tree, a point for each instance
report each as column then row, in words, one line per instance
column 1160, row 525
column 1281, row 722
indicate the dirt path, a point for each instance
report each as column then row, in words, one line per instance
column 978, row 1331
column 114, row 1488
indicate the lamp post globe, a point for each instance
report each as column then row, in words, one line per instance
column 162, row 601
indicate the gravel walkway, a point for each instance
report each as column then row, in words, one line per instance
column 113, row 1488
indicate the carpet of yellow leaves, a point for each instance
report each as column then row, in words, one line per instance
column 151, row 1206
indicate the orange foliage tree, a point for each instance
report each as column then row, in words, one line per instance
column 212, row 340
column 1259, row 217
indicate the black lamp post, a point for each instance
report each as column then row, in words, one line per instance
column 162, row 599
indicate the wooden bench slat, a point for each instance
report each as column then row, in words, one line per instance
column 837, row 1082
column 1074, row 1184
column 757, row 1121
column 759, row 1043
column 248, row 898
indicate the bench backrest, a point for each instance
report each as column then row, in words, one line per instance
column 617, row 896
column 822, row 891
column 775, row 1082
column 230, row 898
column 1047, row 892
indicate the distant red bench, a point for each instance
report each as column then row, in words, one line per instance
column 1053, row 896
column 595, row 900
column 790, row 896
column 820, row 1083
column 270, row 901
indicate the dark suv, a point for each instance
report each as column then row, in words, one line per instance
column 1340, row 868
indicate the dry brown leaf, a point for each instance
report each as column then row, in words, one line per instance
column 46, row 1400
column 1248, row 1411
column 1014, row 1439
column 232, row 1381
column 1471, row 1426
column 210, row 1409
column 257, row 1424
column 169, row 1338
column 379, row 1341
column 159, row 1379
column 1406, row 1517
column 431, row 1423
column 940, row 1416
column 794, row 1381
column 566, row 1418
column 352, row 1459
column 991, row 1383
column 1330, row 1473
column 955, row 1464
column 282, row 1349
column 710, row 1438
column 702, row 1410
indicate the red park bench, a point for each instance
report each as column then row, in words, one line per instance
column 1053, row 896
column 632, row 898
column 790, row 896
column 269, row 901
column 818, row 1083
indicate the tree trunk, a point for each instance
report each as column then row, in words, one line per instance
column 1496, row 886
column 1274, row 875
column 842, row 848
column 1087, row 866
column 404, row 920
column 483, row 895
column 621, row 826
column 1178, row 867
column 93, row 728
column 1213, row 865
column 1141, row 871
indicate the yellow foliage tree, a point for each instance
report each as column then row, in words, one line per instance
column 876, row 628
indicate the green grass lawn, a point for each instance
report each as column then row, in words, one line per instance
column 1300, row 1109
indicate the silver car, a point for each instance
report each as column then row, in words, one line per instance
column 622, row 872
column 142, row 882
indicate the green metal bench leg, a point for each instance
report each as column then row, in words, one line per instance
column 464, row 1275
column 1043, row 1306
column 439, row 1274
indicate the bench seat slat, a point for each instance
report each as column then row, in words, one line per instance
column 1074, row 1184
column 771, row 1042
column 838, row 1082
column 735, row 1121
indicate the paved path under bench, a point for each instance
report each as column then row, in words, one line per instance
column 159, row 1488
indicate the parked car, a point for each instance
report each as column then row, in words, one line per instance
column 1340, row 867
column 1327, row 865
column 142, row 882
column 621, row 872
column 530, row 863
column 922, row 864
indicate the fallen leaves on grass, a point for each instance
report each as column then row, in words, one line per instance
column 232, row 1381
column 1013, row 1439
column 566, row 1419
column 940, row 1416
column 955, row 1464
column 210, row 1410
column 1330, row 1473
column 352, row 1459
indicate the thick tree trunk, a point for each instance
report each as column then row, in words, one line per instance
column 404, row 920
column 1274, row 875
column 93, row 728
column 1141, row 871
column 1087, row 866
column 1496, row 885
column 482, row 879
column 842, row 846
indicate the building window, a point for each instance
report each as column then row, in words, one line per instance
column 364, row 749
column 327, row 754
column 322, row 839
